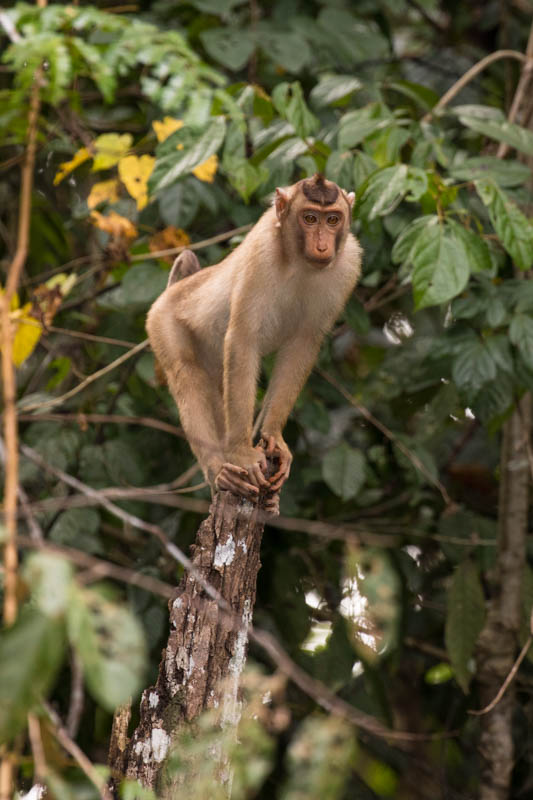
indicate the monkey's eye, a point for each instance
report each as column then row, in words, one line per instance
column 333, row 219
column 310, row 219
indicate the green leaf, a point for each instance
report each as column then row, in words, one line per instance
column 79, row 527
column 141, row 285
column 343, row 469
column 332, row 88
column 440, row 673
column 319, row 759
column 110, row 643
column 514, row 230
column 339, row 168
column 132, row 790
column 356, row 316
column 504, row 173
column 244, row 176
column 231, row 47
column 492, row 123
column 50, row 579
column 403, row 246
column 288, row 49
column 521, row 335
column 473, row 366
column 495, row 398
column 179, row 162
column 464, row 620
column 30, row 655
column 357, row 125
column 289, row 100
column 424, row 97
column 475, row 248
column 440, row 267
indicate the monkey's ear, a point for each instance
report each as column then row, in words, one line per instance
column 281, row 203
column 350, row 196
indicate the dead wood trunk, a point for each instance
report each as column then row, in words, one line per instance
column 498, row 643
column 204, row 646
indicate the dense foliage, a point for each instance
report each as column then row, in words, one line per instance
column 172, row 125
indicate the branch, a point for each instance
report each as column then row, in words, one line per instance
column 57, row 401
column 77, row 754
column 114, row 419
column 172, row 251
column 523, row 83
column 507, row 681
column 470, row 75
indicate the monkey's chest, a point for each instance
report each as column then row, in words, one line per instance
column 280, row 322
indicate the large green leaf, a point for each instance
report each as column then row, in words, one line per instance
column 357, row 125
column 319, row 759
column 475, row 248
column 513, row 228
column 492, row 123
column 343, row 469
column 110, row 643
column 231, row 47
column 521, row 334
column 403, row 246
column 30, row 655
column 440, row 267
column 289, row 100
column 286, row 48
column 464, row 620
column 473, row 365
column 504, row 173
column 332, row 88
column 179, row 162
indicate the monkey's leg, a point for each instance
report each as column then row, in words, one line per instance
column 200, row 406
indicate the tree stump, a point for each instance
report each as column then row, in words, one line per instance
column 205, row 646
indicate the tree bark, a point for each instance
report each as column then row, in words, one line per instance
column 497, row 646
column 205, row 645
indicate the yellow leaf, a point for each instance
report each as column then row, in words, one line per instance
column 206, row 171
column 118, row 227
column 14, row 302
column 168, row 238
column 134, row 173
column 104, row 191
column 27, row 333
column 67, row 166
column 110, row 148
column 164, row 128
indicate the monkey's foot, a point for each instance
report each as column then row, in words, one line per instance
column 278, row 450
column 232, row 478
column 271, row 503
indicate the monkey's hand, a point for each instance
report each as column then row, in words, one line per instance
column 243, row 473
column 275, row 447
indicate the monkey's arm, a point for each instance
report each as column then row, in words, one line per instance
column 293, row 365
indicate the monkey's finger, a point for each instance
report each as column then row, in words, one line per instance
column 271, row 445
column 241, row 488
column 234, row 468
column 255, row 474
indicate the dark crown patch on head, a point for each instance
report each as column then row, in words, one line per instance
column 318, row 190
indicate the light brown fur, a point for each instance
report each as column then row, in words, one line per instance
column 210, row 331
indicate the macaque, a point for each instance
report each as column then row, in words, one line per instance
column 279, row 291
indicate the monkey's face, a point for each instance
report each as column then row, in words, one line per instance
column 321, row 232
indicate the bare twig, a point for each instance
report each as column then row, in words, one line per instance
column 77, row 696
column 521, row 89
column 8, row 370
column 220, row 237
column 507, row 681
column 99, row 568
column 413, row 458
column 115, row 419
column 90, row 337
column 77, row 753
column 36, row 742
column 57, row 401
column 470, row 75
